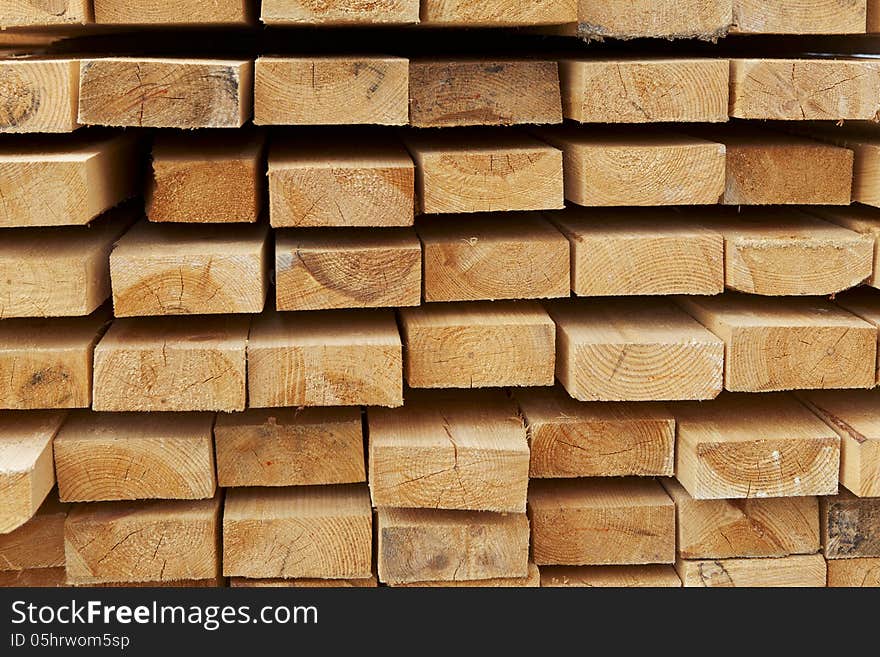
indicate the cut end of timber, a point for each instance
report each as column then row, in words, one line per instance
column 304, row 531
column 745, row 446
column 449, row 451
column 478, row 345
column 325, row 358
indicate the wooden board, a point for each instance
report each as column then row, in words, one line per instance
column 850, row 526
column 637, row 349
column 624, row 90
column 532, row 580
column 859, row 219
column 756, row 527
column 317, row 269
column 58, row 272
column 459, row 92
column 158, row 541
column 169, row 269
column 213, row 582
column 16, row 13
column 485, row 171
column 584, row 522
column 134, row 456
column 27, row 473
column 854, row 573
column 770, row 168
column 360, row 181
column 34, row 578
column 779, row 252
column 186, row 364
column 670, row 19
column 290, row 447
column 802, row 17
column 200, row 178
column 430, row 545
column 175, row 12
column 873, row 18
column 304, row 531
column 47, row 363
column 788, row 343
column 304, row 583
column 38, row 543
column 865, row 146
column 641, row 166
column 804, row 89
column 464, row 450
column 487, row 256
column 800, row 570
column 650, row 576
column 865, row 303
column 855, row 416
column 328, row 358
column 339, row 12
column 478, row 345
column 568, row 438
column 625, row 252
column 165, row 93
column 743, row 446
column 497, row 13
column 42, row 95
column 75, row 178
column 322, row 90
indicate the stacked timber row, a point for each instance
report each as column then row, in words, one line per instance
column 565, row 315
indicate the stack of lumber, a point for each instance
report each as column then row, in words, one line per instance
column 588, row 310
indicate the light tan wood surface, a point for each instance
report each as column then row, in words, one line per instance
column 650, row 576
column 487, row 256
column 171, row 269
column 318, row 269
column 804, row 89
column 485, row 171
column 755, row 527
column 634, row 349
column 801, row 17
column 744, row 446
column 290, row 447
column 157, row 541
column 788, row 343
column 430, row 545
column 598, row 521
column 632, row 251
column 478, row 345
column 339, row 12
column 361, row 181
column 322, row 90
column 800, row 570
column 181, row 364
column 569, row 438
column 134, row 456
column 649, row 90
column 459, row 92
column 304, row 531
column 42, row 95
column 449, row 451
column 855, row 416
column 325, row 358
column 47, row 363
column 205, row 178
column 165, row 93
column 637, row 166
column 38, row 543
column 75, row 178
